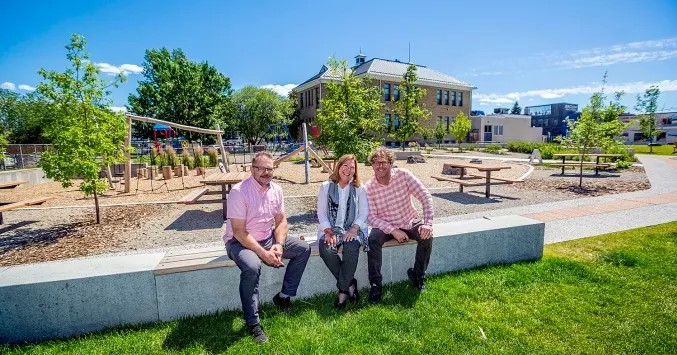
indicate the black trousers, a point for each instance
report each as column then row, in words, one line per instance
column 375, row 256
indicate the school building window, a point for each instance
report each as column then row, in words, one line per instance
column 453, row 98
column 446, row 97
column 386, row 92
column 396, row 89
column 439, row 97
column 460, row 98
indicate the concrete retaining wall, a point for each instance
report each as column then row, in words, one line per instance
column 35, row 176
column 60, row 299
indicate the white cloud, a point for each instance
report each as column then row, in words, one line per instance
column 628, row 88
column 118, row 109
column 124, row 69
column 7, row 85
column 131, row 68
column 282, row 90
column 658, row 44
column 615, row 58
column 26, row 87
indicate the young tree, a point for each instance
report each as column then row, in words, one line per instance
column 597, row 126
column 350, row 119
column 440, row 132
column 178, row 90
column 516, row 109
column 647, row 119
column 252, row 110
column 408, row 108
column 3, row 146
column 460, row 128
column 85, row 134
column 427, row 134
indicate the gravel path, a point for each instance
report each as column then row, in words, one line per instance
column 50, row 234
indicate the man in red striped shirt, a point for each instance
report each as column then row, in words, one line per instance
column 392, row 216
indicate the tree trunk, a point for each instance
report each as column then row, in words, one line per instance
column 580, row 181
column 96, row 206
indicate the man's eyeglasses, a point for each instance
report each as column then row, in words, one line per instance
column 268, row 170
column 380, row 163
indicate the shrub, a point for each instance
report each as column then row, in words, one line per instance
column 413, row 145
column 197, row 157
column 623, row 164
column 213, row 157
column 471, row 147
column 171, row 158
column 185, row 159
column 428, row 150
column 493, row 149
column 154, row 158
column 547, row 149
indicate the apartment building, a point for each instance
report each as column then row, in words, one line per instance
column 445, row 95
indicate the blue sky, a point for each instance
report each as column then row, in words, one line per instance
column 536, row 52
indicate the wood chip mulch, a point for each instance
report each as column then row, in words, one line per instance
column 78, row 238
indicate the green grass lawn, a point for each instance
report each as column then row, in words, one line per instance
column 613, row 294
column 658, row 150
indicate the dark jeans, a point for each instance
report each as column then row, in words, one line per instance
column 296, row 250
column 342, row 269
column 374, row 256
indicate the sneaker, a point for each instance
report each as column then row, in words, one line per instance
column 282, row 304
column 417, row 281
column 257, row 333
column 375, row 294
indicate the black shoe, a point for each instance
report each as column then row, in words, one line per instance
column 375, row 294
column 282, row 304
column 355, row 297
column 257, row 333
column 341, row 306
column 417, row 281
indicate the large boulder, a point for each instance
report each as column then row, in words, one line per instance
column 415, row 159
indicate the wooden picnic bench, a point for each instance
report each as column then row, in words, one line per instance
column 465, row 179
column 12, row 184
column 24, row 203
column 226, row 181
column 674, row 147
column 595, row 164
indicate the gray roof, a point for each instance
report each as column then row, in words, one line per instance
column 395, row 70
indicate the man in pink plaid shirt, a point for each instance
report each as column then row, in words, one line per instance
column 392, row 216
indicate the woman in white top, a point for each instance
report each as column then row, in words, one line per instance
column 342, row 211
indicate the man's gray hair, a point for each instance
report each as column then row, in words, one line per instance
column 261, row 154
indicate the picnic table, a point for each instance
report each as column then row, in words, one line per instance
column 596, row 164
column 482, row 168
column 225, row 180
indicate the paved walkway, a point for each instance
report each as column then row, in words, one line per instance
column 587, row 217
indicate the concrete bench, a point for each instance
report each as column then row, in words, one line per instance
column 78, row 296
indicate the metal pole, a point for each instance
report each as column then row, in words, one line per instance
column 305, row 151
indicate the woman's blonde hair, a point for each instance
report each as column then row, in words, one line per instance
column 342, row 160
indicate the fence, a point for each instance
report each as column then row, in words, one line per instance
column 23, row 156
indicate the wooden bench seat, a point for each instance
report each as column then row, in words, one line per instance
column 12, row 184
column 24, row 203
column 192, row 197
column 458, row 181
column 512, row 181
column 191, row 260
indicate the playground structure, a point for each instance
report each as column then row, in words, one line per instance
column 128, row 141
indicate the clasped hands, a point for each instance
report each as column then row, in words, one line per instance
column 272, row 257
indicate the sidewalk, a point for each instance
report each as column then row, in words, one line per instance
column 581, row 218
